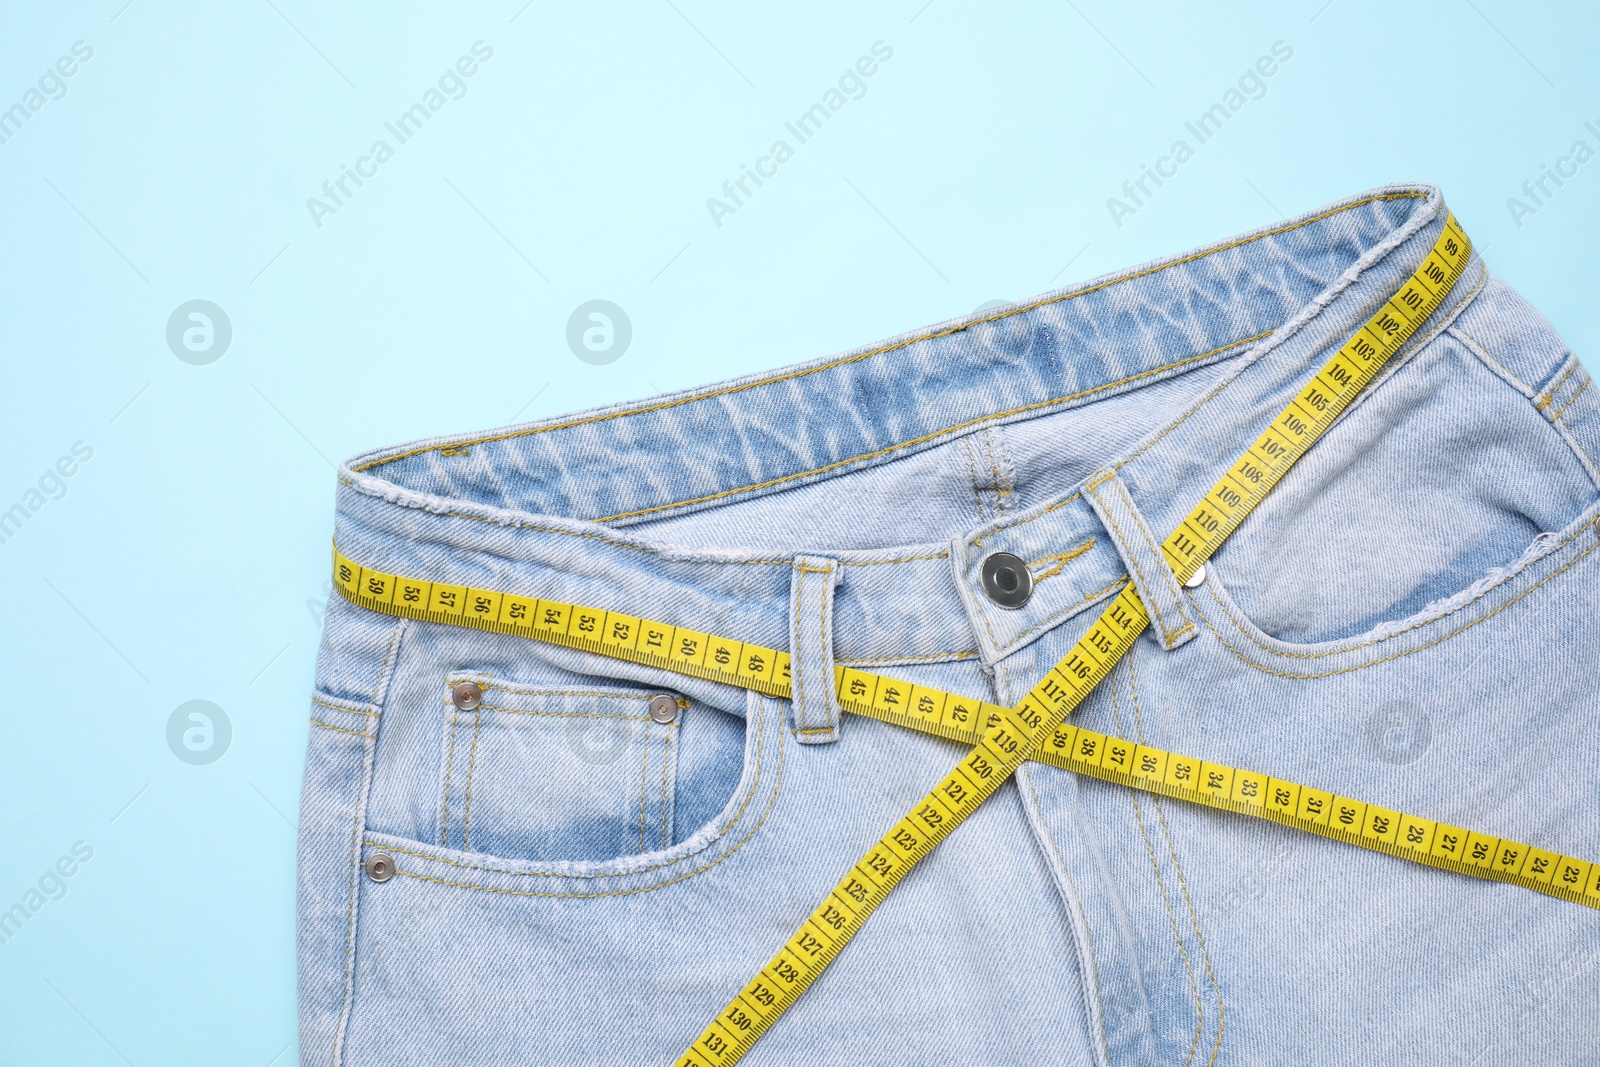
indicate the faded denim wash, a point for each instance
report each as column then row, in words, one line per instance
column 1410, row 619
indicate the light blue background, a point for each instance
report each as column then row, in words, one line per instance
column 187, row 559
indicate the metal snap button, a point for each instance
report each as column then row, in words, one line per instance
column 1197, row 579
column 466, row 696
column 380, row 866
column 663, row 708
column 1006, row 580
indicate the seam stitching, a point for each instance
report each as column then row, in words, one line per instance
column 1385, row 659
column 1161, row 885
column 354, row 855
column 830, row 706
column 1165, row 571
column 902, row 559
column 1242, row 624
column 774, row 379
column 771, row 803
column 1057, row 506
column 1478, row 349
column 341, row 729
column 727, row 828
column 644, row 769
column 1060, row 560
column 1570, row 399
column 945, row 432
column 972, row 476
column 347, row 711
column 1133, row 561
column 798, row 685
column 563, row 714
column 1061, row 865
column 666, row 762
column 1548, row 393
column 472, row 769
column 558, row 692
column 1064, row 613
column 1194, row 919
column 449, row 765
column 930, row 657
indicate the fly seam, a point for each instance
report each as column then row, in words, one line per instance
column 1205, row 955
column 1061, row 865
column 1172, row 916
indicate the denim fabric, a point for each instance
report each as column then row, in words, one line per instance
column 1408, row 619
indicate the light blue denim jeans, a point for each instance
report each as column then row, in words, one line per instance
column 1412, row 618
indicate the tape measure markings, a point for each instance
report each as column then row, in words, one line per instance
column 1005, row 745
column 1005, row 737
column 734, row 1030
column 941, row 714
column 1317, row 405
column 1331, row 815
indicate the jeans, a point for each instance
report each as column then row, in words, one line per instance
column 1409, row 619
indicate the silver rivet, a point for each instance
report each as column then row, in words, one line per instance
column 380, row 866
column 466, row 696
column 663, row 708
column 1006, row 580
column 1197, row 578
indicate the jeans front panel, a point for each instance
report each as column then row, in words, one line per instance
column 1404, row 621
column 626, row 960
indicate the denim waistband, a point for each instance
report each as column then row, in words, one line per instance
column 545, row 508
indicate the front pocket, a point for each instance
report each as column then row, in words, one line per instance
column 557, row 772
column 1435, row 478
column 1543, row 571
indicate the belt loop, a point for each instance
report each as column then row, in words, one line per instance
column 815, row 703
column 1141, row 552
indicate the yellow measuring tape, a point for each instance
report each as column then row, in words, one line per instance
column 1004, row 737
